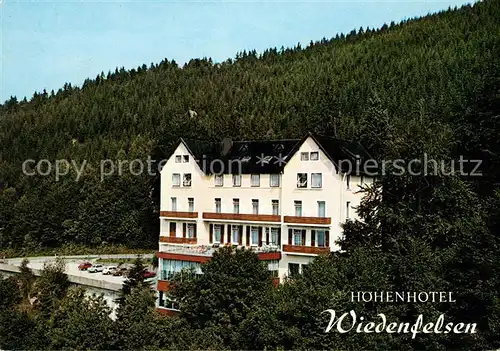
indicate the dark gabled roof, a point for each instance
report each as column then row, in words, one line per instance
column 245, row 157
column 347, row 156
column 270, row 156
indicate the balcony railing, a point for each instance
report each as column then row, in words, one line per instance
column 176, row 240
column 208, row 250
column 178, row 214
column 312, row 250
column 307, row 220
column 242, row 217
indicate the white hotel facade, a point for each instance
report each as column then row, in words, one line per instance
column 285, row 199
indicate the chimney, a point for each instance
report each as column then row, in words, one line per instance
column 227, row 144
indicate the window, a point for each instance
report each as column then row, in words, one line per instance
column 274, row 236
column 176, row 179
column 314, row 156
column 274, row 180
column 186, row 181
column 185, row 158
column 273, row 268
column 348, row 180
column 297, row 237
column 190, row 230
column 174, row 203
column 219, row 180
column 168, row 268
column 255, row 206
column 276, row 207
column 298, row 208
column 236, row 179
column 301, row 180
column 321, row 209
column 217, row 233
column 316, row 180
column 304, row 156
column 255, row 236
column 178, row 159
column 173, row 228
column 320, row 238
column 190, row 204
column 293, row 269
column 255, row 179
column 348, row 206
column 236, row 235
column 218, row 206
column 236, row 206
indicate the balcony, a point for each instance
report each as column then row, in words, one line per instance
column 178, row 214
column 176, row 240
column 201, row 253
column 242, row 217
column 308, row 220
column 311, row 250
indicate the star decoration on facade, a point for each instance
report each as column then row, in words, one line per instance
column 280, row 160
column 263, row 159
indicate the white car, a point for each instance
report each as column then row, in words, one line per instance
column 108, row 270
column 96, row 268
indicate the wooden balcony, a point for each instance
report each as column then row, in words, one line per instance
column 307, row 220
column 163, row 285
column 242, row 217
column 269, row 256
column 176, row 240
column 167, row 312
column 178, row 214
column 312, row 250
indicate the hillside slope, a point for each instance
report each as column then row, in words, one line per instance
column 442, row 67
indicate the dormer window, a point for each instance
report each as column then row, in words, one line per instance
column 278, row 148
column 244, row 149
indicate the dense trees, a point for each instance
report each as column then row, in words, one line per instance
column 427, row 87
column 442, row 68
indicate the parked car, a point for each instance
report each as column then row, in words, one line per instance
column 96, row 268
column 108, row 270
column 120, row 272
column 84, row 266
column 149, row 274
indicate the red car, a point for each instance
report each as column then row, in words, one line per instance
column 149, row 274
column 84, row 266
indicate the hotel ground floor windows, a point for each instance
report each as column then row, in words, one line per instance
column 273, row 267
column 293, row 269
column 165, row 302
column 171, row 267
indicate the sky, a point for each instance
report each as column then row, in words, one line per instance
column 47, row 43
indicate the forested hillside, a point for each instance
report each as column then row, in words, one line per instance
column 427, row 85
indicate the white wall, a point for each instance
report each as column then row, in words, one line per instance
column 334, row 192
